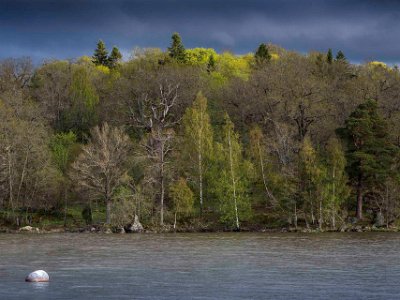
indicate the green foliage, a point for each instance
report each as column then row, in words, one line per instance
column 197, row 142
column 211, row 64
column 262, row 54
column 182, row 197
column 370, row 153
column 340, row 56
column 232, row 174
column 81, row 116
column 177, row 51
column 311, row 176
column 329, row 56
column 100, row 56
column 114, row 58
column 123, row 206
column 336, row 178
column 63, row 148
column 199, row 56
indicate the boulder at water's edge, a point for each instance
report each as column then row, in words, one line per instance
column 37, row 276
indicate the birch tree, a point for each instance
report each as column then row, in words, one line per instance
column 198, row 141
column 336, row 178
column 311, row 177
column 258, row 152
column 233, row 177
column 182, row 197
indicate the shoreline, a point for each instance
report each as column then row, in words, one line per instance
column 109, row 230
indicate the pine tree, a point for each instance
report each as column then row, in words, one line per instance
column 211, row 64
column 177, row 51
column 369, row 150
column 198, row 141
column 340, row 56
column 114, row 58
column 262, row 54
column 329, row 56
column 100, row 56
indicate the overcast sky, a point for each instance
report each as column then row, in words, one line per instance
column 362, row 29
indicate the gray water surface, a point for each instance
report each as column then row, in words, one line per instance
column 202, row 266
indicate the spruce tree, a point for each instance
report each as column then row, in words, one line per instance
column 329, row 56
column 211, row 64
column 369, row 151
column 177, row 51
column 114, row 58
column 100, row 56
column 340, row 56
column 262, row 54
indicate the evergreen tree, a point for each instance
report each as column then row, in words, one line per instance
column 211, row 64
column 369, row 150
column 262, row 54
column 177, row 51
column 198, row 141
column 114, row 58
column 340, row 56
column 100, row 56
column 329, row 56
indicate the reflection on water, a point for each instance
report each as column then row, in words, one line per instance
column 39, row 285
column 202, row 266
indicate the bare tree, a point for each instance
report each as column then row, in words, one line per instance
column 103, row 163
column 155, row 115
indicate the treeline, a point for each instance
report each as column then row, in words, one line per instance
column 196, row 137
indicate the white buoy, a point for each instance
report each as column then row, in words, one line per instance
column 37, row 276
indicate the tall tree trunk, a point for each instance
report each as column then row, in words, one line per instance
column 295, row 215
column 269, row 194
column 233, row 182
column 162, row 187
column 22, row 177
column 65, row 204
column 320, row 221
column 108, row 211
column 175, row 220
column 201, row 182
column 10, row 181
column 359, row 214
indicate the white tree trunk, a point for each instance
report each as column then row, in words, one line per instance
column 233, row 181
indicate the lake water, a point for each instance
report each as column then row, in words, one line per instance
column 202, row 266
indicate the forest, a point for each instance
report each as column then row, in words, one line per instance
column 192, row 139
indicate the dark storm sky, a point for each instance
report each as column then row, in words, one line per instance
column 364, row 30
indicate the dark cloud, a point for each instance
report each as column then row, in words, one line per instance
column 363, row 29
